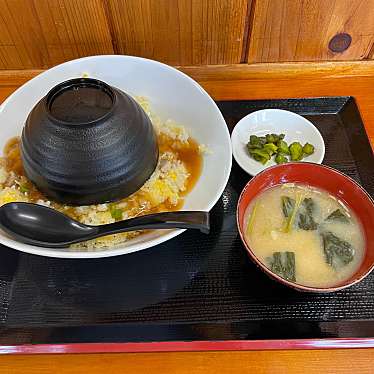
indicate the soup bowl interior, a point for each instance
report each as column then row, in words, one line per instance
column 172, row 95
column 324, row 178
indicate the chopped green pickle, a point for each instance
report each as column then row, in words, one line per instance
column 261, row 154
column 308, row 149
column 276, row 148
column 280, row 159
column 296, row 151
column 283, row 147
column 272, row 138
column 270, row 148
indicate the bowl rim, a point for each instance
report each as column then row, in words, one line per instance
column 247, row 117
column 118, row 250
column 266, row 270
column 59, row 89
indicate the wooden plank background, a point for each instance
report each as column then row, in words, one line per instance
column 179, row 32
column 37, row 34
column 300, row 30
column 43, row 33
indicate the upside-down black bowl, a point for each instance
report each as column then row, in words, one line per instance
column 86, row 142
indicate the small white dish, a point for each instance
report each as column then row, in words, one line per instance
column 274, row 121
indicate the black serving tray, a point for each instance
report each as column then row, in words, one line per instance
column 195, row 287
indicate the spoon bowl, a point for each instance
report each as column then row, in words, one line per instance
column 45, row 227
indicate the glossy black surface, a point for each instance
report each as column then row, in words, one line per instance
column 194, row 287
column 45, row 227
column 87, row 143
column 80, row 105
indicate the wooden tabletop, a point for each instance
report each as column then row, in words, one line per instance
column 258, row 81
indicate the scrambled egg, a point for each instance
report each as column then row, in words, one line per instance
column 11, row 195
column 163, row 189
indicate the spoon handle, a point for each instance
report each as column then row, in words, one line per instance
column 168, row 220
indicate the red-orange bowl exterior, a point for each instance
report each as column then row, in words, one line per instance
column 329, row 180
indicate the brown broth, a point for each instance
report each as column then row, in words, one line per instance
column 188, row 153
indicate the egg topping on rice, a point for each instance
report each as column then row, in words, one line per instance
column 178, row 168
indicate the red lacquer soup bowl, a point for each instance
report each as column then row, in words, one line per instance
column 325, row 178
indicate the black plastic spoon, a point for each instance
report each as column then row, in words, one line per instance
column 46, row 227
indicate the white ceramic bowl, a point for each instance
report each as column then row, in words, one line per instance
column 274, row 121
column 172, row 94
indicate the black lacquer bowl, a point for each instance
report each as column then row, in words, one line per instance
column 87, row 143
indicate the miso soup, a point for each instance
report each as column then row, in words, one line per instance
column 305, row 235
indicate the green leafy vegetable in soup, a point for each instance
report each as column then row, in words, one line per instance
column 288, row 205
column 338, row 216
column 338, row 252
column 292, row 215
column 283, row 264
column 251, row 219
column 302, row 234
column 304, row 213
column 305, row 217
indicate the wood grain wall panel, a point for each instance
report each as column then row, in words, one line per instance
column 180, row 32
column 43, row 33
column 300, row 30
